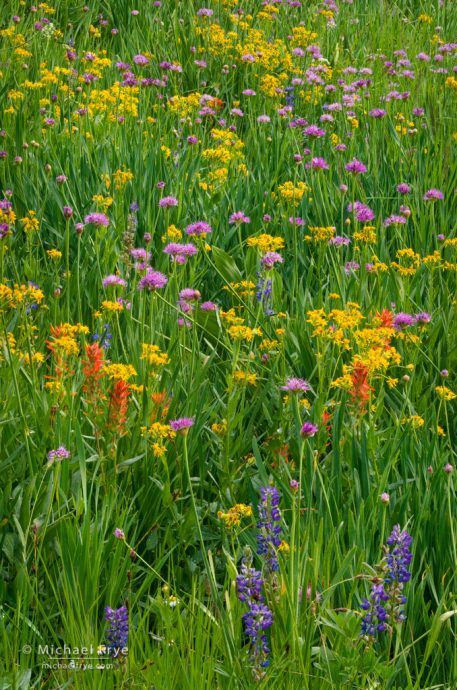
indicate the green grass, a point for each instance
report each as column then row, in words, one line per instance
column 61, row 563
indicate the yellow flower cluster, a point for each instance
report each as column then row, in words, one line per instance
column 243, row 333
column 119, row 372
column 445, row 393
column 153, row 355
column 30, row 223
column 290, row 193
column 320, row 234
column 158, row 434
column 266, row 243
column 245, row 377
column 233, row 517
column 367, row 235
column 10, row 298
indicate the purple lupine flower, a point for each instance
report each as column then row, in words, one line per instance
column 308, row 430
column 153, row 280
column 295, row 385
column 182, row 425
column 118, row 632
column 356, row 167
column 399, row 558
column 96, row 219
column 60, row 453
column 403, row 320
column 268, row 536
column 168, row 202
column 386, row 602
column 269, row 260
column 433, row 195
column 114, row 280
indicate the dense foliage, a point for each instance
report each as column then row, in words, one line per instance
column 228, row 236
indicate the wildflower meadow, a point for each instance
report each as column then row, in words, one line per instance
column 228, row 344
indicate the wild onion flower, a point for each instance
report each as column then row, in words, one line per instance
column 182, row 425
column 295, row 385
column 60, row 453
column 356, row 167
column 153, row 280
column 403, row 320
column 268, row 536
column 239, row 217
column 168, row 201
column 198, row 228
column 96, row 219
column 384, row 607
column 118, row 631
column 113, row 280
column 308, row 430
column 433, row 195
column 269, row 260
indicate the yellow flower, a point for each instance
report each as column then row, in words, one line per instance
column 119, row 371
column 30, row 223
column 445, row 393
column 153, row 355
column 109, row 305
column 266, row 243
column 234, row 515
column 54, row 254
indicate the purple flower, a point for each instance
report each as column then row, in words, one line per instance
column 269, row 260
column 308, row 430
column 153, row 280
column 314, row 131
column 377, row 113
column 403, row 188
column 113, row 280
column 423, row 317
column 319, row 164
column 180, row 252
column 433, row 195
column 295, row 385
column 182, row 425
column 339, row 241
column 394, row 220
column 198, row 228
column 269, row 534
column 119, row 533
column 403, row 320
column 168, row 201
column 239, row 217
column 355, row 167
column 118, row 632
column 448, row 468
column 60, row 453
column 96, row 219
column 141, row 60
column 189, row 295
column 208, row 306
column 67, row 212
